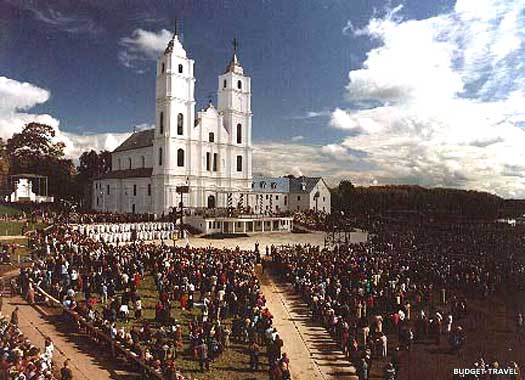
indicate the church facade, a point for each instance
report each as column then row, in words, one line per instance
column 210, row 151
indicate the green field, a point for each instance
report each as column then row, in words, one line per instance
column 22, row 252
column 233, row 364
column 9, row 211
column 14, row 228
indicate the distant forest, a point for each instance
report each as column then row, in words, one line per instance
column 433, row 202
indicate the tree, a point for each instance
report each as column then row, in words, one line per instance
column 4, row 167
column 34, row 151
column 91, row 165
column 34, row 143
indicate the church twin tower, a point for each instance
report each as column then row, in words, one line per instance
column 209, row 151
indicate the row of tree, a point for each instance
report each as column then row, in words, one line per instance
column 34, row 151
column 397, row 199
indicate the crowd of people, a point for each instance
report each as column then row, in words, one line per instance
column 20, row 359
column 102, row 283
column 311, row 219
column 403, row 285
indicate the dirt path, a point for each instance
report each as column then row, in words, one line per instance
column 36, row 326
column 313, row 353
column 14, row 237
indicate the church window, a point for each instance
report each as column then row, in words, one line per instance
column 129, row 162
column 180, row 124
column 239, row 84
column 149, row 189
column 163, row 67
column 298, row 197
column 215, row 161
column 224, row 83
column 211, row 137
column 239, row 133
column 134, row 190
column 107, row 189
column 285, row 200
column 118, row 162
column 273, row 185
column 239, row 163
column 180, row 69
column 208, row 159
column 98, row 201
column 160, row 156
column 276, row 197
column 143, row 161
column 161, row 123
column 180, row 157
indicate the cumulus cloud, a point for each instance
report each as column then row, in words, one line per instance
column 444, row 99
column 142, row 46
column 17, row 97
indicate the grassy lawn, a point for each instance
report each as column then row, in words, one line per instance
column 21, row 251
column 14, row 228
column 231, row 365
column 9, row 211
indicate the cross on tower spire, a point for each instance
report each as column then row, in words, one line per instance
column 235, row 44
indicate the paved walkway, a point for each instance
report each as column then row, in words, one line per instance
column 312, row 351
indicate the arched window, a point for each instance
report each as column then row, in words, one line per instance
column 160, row 156
column 239, row 84
column 180, row 157
column 180, row 69
column 211, row 137
column 180, row 124
column 143, row 159
column 163, row 67
column 129, row 162
column 239, row 163
column 239, row 133
column 224, row 83
column 161, row 123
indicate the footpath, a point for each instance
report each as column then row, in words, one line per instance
column 312, row 351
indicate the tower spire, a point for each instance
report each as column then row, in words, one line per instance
column 235, row 44
column 234, row 65
column 175, row 41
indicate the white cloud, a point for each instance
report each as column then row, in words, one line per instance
column 17, row 97
column 297, row 138
column 444, row 99
column 312, row 115
column 143, row 46
column 70, row 23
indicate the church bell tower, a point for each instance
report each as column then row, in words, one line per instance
column 174, row 118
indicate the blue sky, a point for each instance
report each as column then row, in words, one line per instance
column 425, row 92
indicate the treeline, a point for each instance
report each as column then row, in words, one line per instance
column 35, row 151
column 407, row 199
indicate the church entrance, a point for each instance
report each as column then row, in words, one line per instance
column 211, row 201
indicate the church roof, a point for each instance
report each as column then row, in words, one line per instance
column 128, row 173
column 137, row 140
column 296, row 184
column 271, row 184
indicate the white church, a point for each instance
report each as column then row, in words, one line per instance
column 208, row 153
